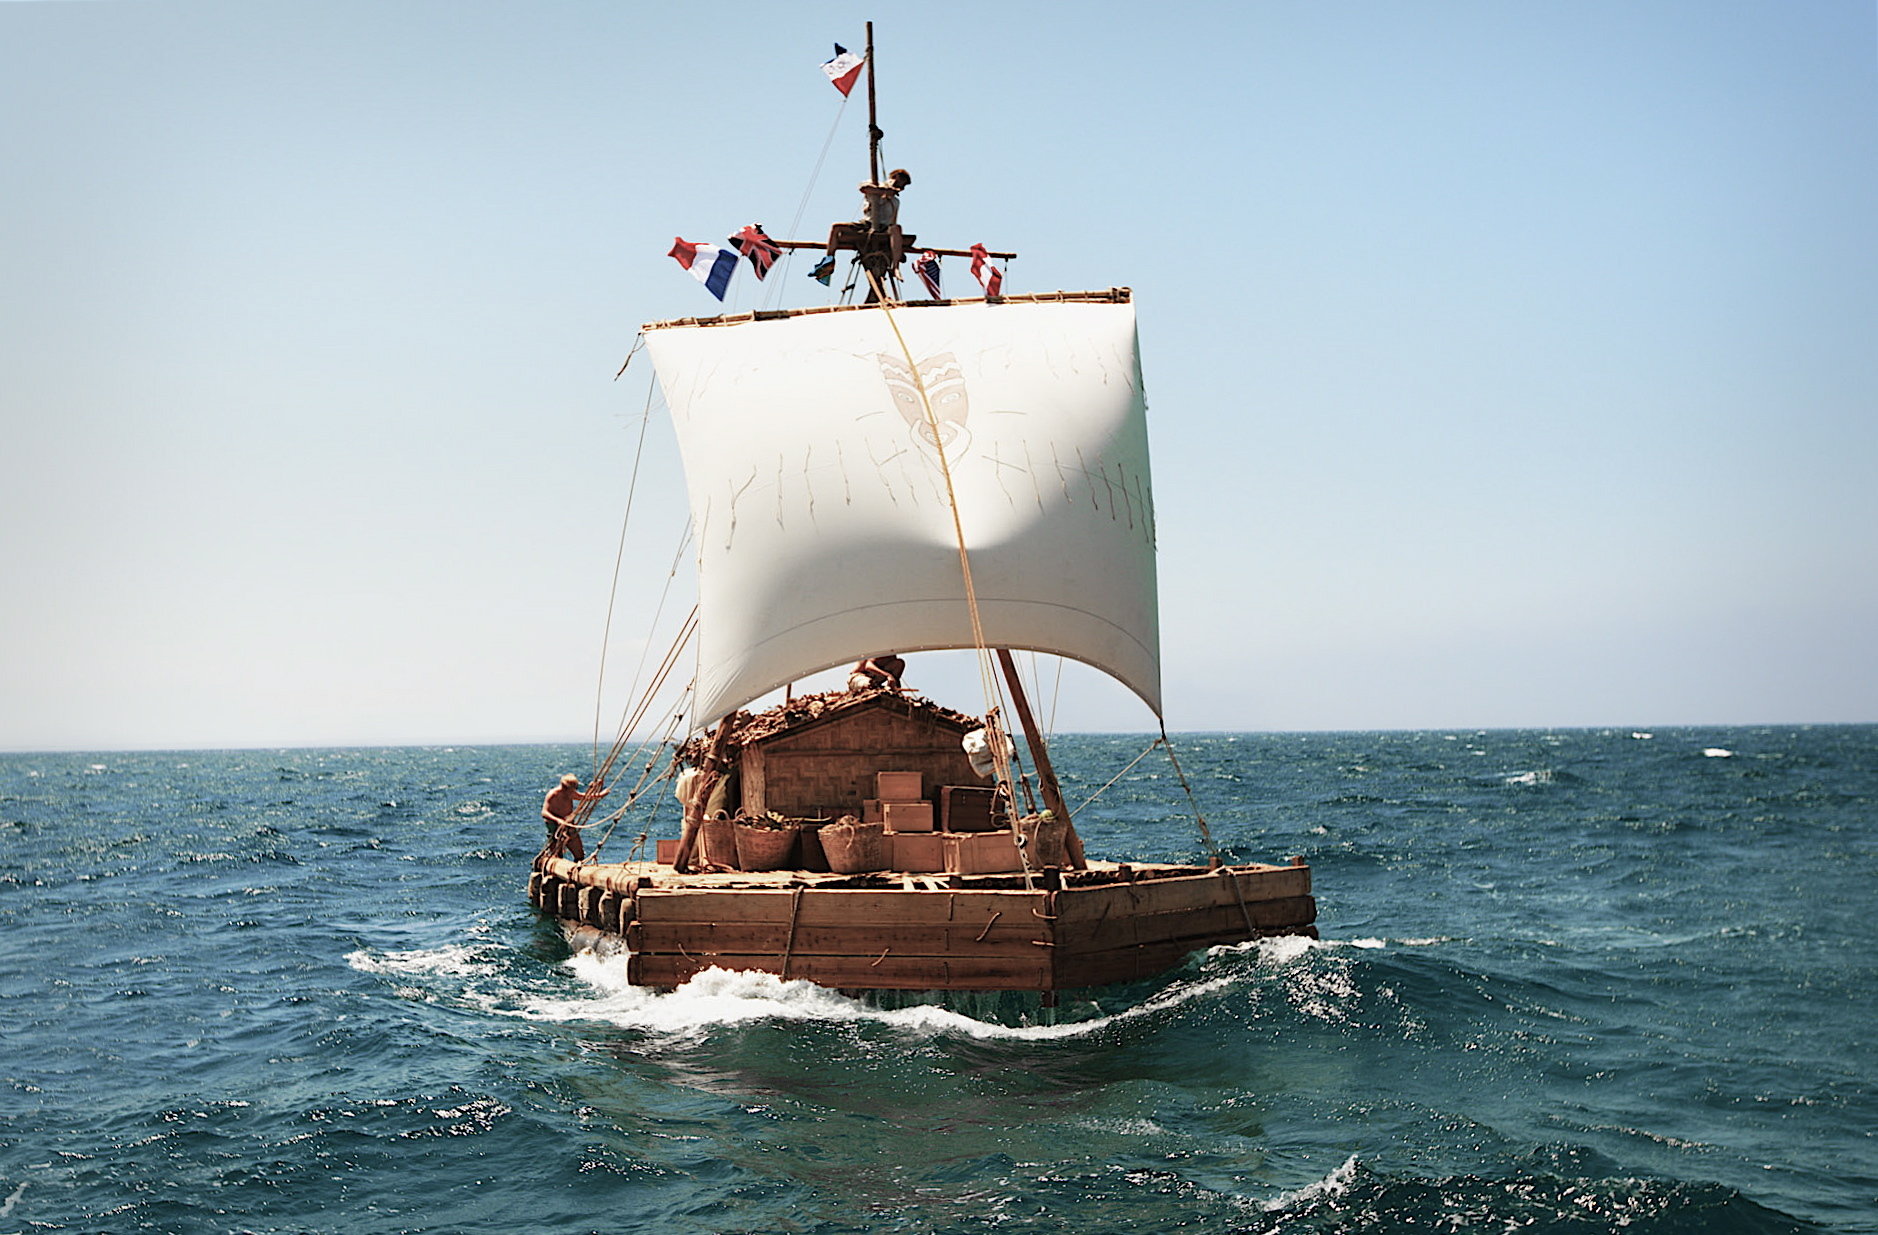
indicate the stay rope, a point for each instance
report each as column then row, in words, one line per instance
column 619, row 556
column 1206, row 833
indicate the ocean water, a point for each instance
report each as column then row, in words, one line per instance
column 1576, row 981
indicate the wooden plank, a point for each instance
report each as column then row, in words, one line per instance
column 959, row 942
column 886, row 973
column 837, row 906
column 1181, row 892
column 1201, row 927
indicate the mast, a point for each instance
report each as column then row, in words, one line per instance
column 1040, row 756
column 873, row 120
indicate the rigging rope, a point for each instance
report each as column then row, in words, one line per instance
column 1125, row 771
column 776, row 290
column 987, row 676
column 619, row 555
column 1206, row 833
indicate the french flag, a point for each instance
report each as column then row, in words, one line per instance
column 844, row 69
column 707, row 263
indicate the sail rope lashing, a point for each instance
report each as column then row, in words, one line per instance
column 655, row 758
column 988, row 678
column 619, row 556
column 637, row 717
column 1206, row 833
column 639, row 341
column 633, row 720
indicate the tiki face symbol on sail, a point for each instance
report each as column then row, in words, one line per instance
column 944, row 380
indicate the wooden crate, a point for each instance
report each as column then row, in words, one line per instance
column 918, row 851
column 898, row 787
column 907, row 816
column 981, row 853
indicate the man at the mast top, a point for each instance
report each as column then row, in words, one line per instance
column 880, row 203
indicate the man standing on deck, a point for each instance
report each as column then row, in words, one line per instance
column 557, row 816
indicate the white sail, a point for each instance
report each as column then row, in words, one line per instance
column 824, row 529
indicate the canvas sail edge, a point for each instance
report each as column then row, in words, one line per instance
column 824, row 510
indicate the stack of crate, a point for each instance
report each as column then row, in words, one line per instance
column 900, row 803
column 966, row 839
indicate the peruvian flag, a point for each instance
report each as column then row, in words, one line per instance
column 707, row 263
column 844, row 69
column 989, row 277
column 927, row 268
column 754, row 243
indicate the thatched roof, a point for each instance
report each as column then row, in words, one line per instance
column 804, row 711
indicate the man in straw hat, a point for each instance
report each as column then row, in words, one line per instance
column 557, row 816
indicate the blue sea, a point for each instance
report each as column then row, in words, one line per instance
column 1569, row 981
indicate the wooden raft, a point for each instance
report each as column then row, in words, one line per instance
column 892, row 931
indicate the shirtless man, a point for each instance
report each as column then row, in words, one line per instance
column 877, row 671
column 557, row 816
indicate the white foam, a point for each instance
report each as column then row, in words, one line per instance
column 1718, row 752
column 727, row 997
column 1334, row 1184
column 452, row 960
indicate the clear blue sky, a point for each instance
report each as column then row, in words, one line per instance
column 1508, row 364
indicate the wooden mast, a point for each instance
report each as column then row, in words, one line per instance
column 1040, row 756
column 873, row 121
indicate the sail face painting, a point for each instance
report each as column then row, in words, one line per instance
column 825, row 455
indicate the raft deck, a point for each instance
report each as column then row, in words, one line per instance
column 1053, row 930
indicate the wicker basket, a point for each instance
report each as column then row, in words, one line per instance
column 718, row 838
column 852, row 848
column 761, row 847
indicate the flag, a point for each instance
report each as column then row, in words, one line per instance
column 927, row 268
column 707, row 263
column 989, row 277
column 754, row 243
column 824, row 269
column 843, row 69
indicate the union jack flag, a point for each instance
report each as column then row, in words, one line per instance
column 754, row 243
column 927, row 268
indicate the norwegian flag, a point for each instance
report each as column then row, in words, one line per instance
column 989, row 277
column 844, row 69
column 927, row 268
column 707, row 263
column 754, row 243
